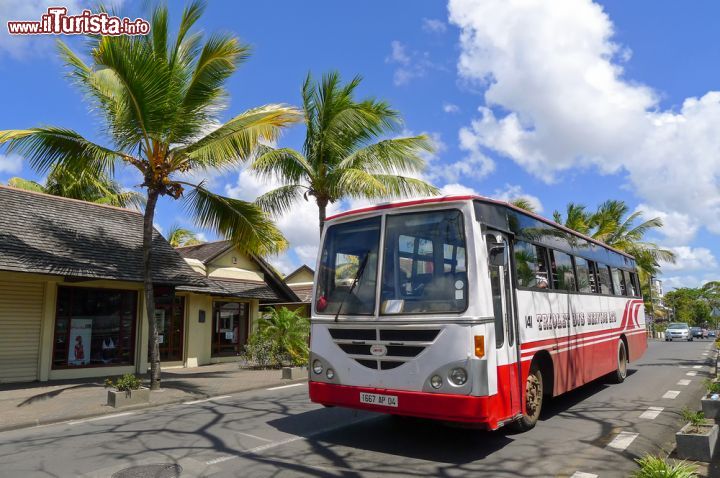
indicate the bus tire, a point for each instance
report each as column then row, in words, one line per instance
column 620, row 373
column 533, row 400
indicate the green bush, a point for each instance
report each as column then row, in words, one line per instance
column 657, row 467
column 712, row 386
column 281, row 338
column 125, row 383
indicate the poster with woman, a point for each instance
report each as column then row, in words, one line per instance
column 80, row 335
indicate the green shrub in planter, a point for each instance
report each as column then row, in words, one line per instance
column 281, row 338
column 125, row 383
column 657, row 467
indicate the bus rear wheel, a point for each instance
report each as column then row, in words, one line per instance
column 533, row 400
column 621, row 372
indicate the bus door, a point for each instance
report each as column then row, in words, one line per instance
column 506, row 339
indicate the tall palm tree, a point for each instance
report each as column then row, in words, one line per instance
column 179, row 236
column 85, row 185
column 160, row 99
column 612, row 224
column 346, row 153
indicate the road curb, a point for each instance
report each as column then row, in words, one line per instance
column 37, row 423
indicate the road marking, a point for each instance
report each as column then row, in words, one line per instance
column 684, row 382
column 293, row 438
column 254, row 436
column 691, row 373
column 206, row 400
column 582, row 474
column 104, row 417
column 684, row 366
column 651, row 413
column 287, row 386
column 671, row 394
column 697, row 366
column 622, row 440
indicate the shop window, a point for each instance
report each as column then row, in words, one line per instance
column 230, row 328
column 94, row 327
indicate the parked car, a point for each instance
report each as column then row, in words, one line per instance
column 696, row 332
column 678, row 330
column 712, row 334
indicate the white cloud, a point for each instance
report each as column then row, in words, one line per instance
column 22, row 46
column 677, row 228
column 10, row 164
column 409, row 64
column 512, row 192
column 451, row 108
column 556, row 98
column 456, row 189
column 434, row 25
column 690, row 259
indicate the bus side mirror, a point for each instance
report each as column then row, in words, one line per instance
column 497, row 256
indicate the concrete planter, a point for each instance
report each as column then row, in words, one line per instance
column 710, row 408
column 697, row 446
column 131, row 397
column 293, row 373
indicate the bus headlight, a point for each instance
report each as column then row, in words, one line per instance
column 317, row 367
column 436, row 381
column 330, row 374
column 458, row 376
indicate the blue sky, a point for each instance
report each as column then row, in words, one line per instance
column 557, row 101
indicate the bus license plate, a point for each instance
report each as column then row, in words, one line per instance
column 376, row 399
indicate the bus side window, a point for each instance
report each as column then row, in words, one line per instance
column 618, row 281
column 531, row 269
column 585, row 276
column 496, row 289
column 563, row 274
column 629, row 284
column 636, row 284
column 604, row 281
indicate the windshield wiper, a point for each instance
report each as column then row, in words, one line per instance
column 358, row 275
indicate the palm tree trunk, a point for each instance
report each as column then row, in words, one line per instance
column 148, row 288
column 322, row 213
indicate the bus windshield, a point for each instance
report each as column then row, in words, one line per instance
column 347, row 276
column 424, row 265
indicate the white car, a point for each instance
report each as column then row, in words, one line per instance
column 678, row 330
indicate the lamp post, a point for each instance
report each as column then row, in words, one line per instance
column 652, row 319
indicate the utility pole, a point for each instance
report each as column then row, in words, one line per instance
column 652, row 320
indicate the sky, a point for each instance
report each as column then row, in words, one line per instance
column 564, row 101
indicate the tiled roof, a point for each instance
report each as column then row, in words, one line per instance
column 204, row 252
column 304, row 292
column 47, row 234
column 242, row 289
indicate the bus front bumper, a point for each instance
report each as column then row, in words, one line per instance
column 436, row 406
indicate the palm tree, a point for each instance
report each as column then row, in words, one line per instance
column 523, row 203
column 612, row 225
column 287, row 333
column 85, row 185
column 160, row 100
column 179, row 236
column 346, row 153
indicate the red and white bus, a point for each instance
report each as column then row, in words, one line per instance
column 466, row 309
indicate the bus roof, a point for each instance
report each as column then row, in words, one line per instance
column 459, row 198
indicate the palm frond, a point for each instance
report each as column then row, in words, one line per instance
column 391, row 156
column 237, row 139
column 44, row 147
column 244, row 223
column 26, row 184
column 523, row 203
column 283, row 163
column 280, row 200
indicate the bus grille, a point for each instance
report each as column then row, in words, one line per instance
column 402, row 344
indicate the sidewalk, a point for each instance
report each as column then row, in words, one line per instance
column 32, row 404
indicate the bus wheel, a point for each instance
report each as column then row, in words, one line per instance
column 622, row 361
column 533, row 400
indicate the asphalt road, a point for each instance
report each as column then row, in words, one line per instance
column 280, row 433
